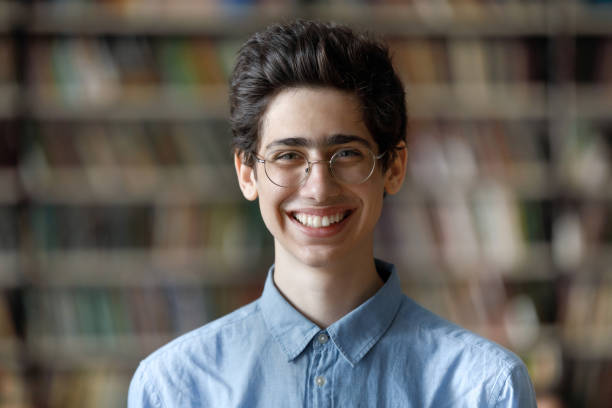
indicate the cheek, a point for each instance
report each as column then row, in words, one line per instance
column 373, row 206
column 375, row 212
column 270, row 207
column 372, row 193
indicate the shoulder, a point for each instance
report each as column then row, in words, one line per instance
column 452, row 357
column 427, row 327
column 204, row 338
column 198, row 354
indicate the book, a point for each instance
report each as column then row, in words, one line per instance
column 9, row 145
column 7, row 68
column 14, row 389
column 9, row 229
column 7, row 325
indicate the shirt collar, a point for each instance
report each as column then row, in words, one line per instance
column 290, row 328
column 354, row 334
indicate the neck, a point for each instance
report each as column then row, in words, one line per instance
column 325, row 293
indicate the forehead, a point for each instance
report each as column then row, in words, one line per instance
column 314, row 114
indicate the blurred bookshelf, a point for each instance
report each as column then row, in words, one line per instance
column 121, row 224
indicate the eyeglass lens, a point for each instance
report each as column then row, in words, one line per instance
column 351, row 166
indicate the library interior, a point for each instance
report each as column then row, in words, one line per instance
column 122, row 225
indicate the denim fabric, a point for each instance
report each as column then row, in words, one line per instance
column 388, row 352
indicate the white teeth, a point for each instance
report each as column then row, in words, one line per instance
column 315, row 221
column 325, row 221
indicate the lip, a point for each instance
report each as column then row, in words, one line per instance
column 321, row 232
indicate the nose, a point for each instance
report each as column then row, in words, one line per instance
column 320, row 184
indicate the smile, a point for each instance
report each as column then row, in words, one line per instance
column 317, row 221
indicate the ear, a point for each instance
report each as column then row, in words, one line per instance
column 246, row 178
column 396, row 171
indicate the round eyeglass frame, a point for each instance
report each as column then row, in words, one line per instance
column 329, row 166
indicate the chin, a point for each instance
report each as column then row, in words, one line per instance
column 319, row 257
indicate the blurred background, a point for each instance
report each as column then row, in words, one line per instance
column 122, row 227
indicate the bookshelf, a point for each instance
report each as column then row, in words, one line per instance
column 118, row 201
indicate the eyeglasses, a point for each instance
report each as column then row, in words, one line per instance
column 352, row 165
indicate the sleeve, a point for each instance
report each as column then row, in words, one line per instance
column 141, row 394
column 517, row 390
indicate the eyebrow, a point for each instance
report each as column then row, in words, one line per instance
column 333, row 140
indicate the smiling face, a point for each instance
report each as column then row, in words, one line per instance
column 321, row 221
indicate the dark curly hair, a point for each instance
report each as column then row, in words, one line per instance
column 310, row 53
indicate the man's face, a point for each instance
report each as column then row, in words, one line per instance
column 321, row 221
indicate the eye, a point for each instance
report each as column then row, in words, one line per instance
column 287, row 157
column 348, row 154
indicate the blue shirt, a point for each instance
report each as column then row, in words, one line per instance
column 388, row 352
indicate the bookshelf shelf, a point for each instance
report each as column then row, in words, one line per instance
column 11, row 14
column 491, row 20
column 591, row 19
column 602, row 194
column 596, row 262
column 165, row 102
column 8, row 180
column 469, row 101
column 186, row 18
column 529, row 181
column 442, row 18
column 510, row 101
column 226, row 20
column 74, row 352
column 589, row 342
column 149, row 267
column 589, row 102
column 9, row 272
column 494, row 19
column 536, row 266
column 212, row 184
column 10, row 349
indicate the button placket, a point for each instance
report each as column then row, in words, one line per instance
column 321, row 340
column 321, row 380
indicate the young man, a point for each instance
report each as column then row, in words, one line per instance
column 319, row 125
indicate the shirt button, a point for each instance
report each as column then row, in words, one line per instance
column 320, row 381
column 322, row 338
